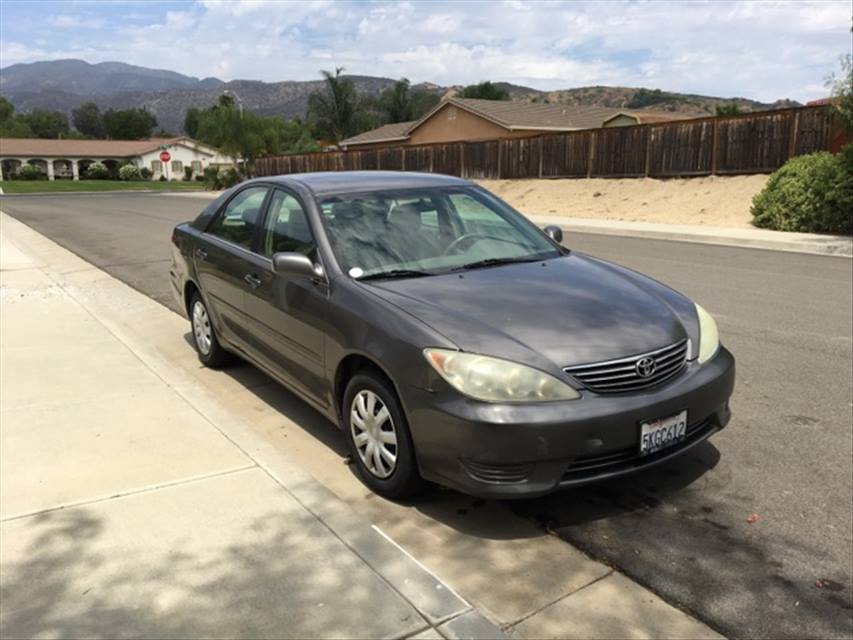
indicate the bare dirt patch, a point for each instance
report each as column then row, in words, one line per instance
column 712, row 200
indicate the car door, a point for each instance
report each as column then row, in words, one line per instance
column 222, row 259
column 287, row 314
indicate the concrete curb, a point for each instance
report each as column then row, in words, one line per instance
column 811, row 243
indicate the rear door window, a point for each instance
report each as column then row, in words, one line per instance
column 237, row 221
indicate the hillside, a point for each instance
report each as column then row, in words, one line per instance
column 64, row 84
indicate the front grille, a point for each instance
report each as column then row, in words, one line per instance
column 626, row 459
column 497, row 474
column 620, row 376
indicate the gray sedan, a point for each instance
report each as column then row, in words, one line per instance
column 451, row 339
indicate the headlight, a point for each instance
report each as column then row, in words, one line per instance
column 496, row 380
column 709, row 338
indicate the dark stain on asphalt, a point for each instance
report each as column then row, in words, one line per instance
column 802, row 421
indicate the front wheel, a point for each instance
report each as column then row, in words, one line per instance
column 379, row 437
column 210, row 352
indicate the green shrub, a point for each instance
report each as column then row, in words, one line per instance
column 188, row 174
column 162, row 178
column 211, row 178
column 129, row 172
column 30, row 172
column 810, row 193
column 97, row 171
column 145, row 173
column 229, row 178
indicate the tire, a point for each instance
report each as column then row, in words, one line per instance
column 210, row 352
column 365, row 391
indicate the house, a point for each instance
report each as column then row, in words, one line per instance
column 459, row 119
column 71, row 158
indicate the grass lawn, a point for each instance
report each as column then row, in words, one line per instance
column 67, row 186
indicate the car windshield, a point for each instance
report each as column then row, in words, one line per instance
column 418, row 232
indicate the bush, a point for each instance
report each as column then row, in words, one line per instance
column 145, row 173
column 211, row 178
column 229, row 178
column 97, row 171
column 129, row 172
column 810, row 193
column 30, row 172
column 188, row 174
column 162, row 178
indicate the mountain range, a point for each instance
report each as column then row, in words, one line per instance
column 62, row 85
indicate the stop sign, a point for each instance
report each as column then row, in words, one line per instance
column 165, row 156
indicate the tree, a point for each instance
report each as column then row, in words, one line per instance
column 191, row 119
column 129, row 124
column 244, row 135
column 46, row 124
column 484, row 91
column 7, row 110
column 842, row 92
column 87, row 120
column 399, row 103
column 334, row 112
column 727, row 109
column 12, row 126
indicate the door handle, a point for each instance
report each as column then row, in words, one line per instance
column 253, row 280
column 201, row 254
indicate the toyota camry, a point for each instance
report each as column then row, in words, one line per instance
column 448, row 337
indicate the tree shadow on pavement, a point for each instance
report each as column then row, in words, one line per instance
column 72, row 573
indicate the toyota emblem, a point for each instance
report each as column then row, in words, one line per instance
column 645, row 367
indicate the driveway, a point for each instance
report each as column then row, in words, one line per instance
column 751, row 531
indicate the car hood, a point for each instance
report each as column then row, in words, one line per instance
column 565, row 311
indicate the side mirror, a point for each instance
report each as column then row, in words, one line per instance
column 291, row 263
column 554, row 232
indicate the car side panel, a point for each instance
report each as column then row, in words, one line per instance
column 287, row 323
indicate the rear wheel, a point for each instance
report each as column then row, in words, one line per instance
column 379, row 438
column 210, row 352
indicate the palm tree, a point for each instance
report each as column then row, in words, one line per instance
column 334, row 111
column 396, row 102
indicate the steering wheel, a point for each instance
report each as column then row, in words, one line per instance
column 470, row 239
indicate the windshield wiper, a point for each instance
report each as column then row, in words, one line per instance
column 395, row 273
column 491, row 262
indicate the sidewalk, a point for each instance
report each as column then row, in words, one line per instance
column 728, row 236
column 142, row 494
column 131, row 506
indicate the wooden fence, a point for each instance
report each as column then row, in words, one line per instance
column 749, row 143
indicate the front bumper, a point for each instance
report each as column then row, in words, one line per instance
column 508, row 451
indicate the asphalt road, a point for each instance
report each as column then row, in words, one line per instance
column 683, row 529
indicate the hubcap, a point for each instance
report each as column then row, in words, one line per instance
column 373, row 433
column 201, row 328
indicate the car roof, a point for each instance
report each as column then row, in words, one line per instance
column 339, row 182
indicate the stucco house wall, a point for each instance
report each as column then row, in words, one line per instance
column 451, row 124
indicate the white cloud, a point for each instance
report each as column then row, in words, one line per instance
column 764, row 50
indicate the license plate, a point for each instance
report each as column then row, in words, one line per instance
column 662, row 433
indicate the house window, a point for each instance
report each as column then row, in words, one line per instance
column 196, row 165
column 156, row 166
column 451, row 113
column 177, row 166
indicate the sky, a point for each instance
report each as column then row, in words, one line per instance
column 762, row 50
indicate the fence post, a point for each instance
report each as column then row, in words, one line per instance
column 462, row 160
column 795, row 131
column 648, row 148
column 541, row 154
column 590, row 156
column 714, row 146
column 500, row 153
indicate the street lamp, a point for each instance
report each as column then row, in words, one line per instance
column 237, row 98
